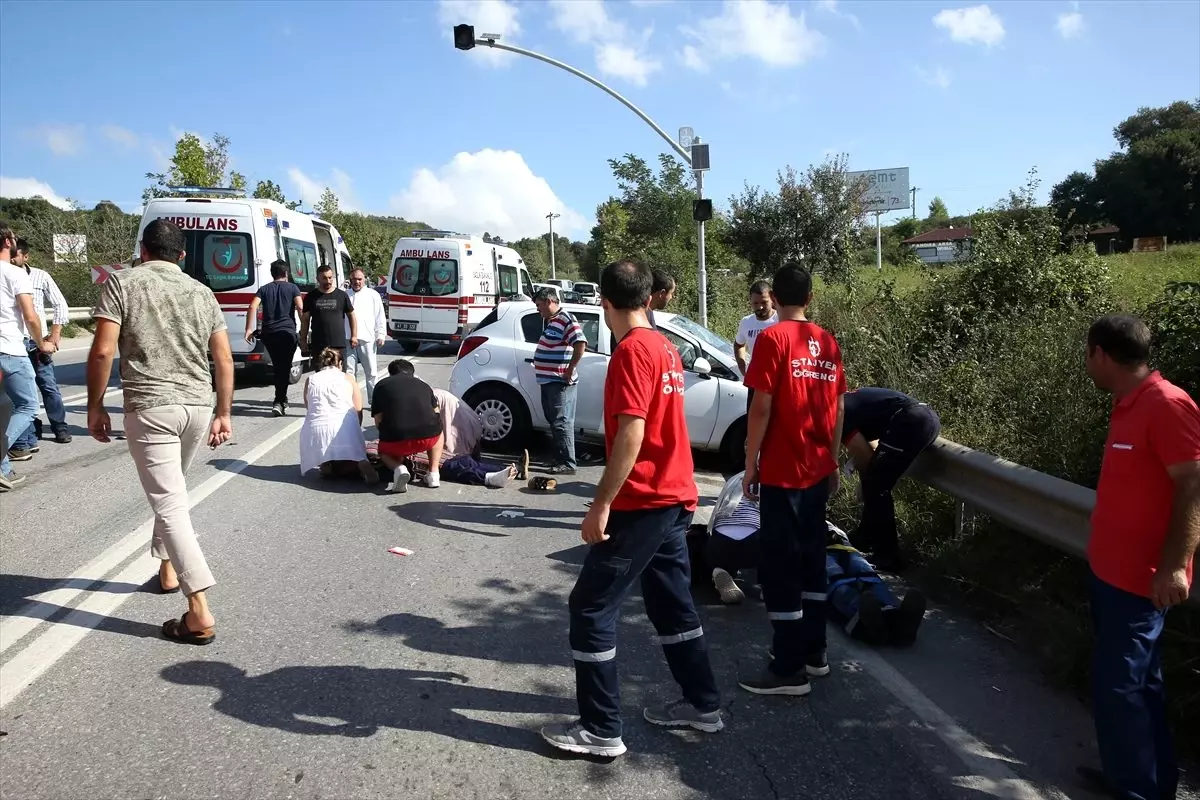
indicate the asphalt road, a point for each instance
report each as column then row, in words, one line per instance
column 342, row 671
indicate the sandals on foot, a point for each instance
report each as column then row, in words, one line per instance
column 177, row 631
column 164, row 590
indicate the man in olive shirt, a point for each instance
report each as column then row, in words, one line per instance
column 325, row 310
column 165, row 324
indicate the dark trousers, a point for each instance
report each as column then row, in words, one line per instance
column 651, row 546
column 793, row 572
column 281, row 347
column 1128, row 695
column 732, row 555
column 910, row 431
column 469, row 470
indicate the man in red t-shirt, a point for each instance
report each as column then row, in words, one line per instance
column 791, row 465
column 637, row 528
column 1145, row 534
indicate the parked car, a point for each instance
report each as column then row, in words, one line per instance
column 589, row 291
column 494, row 375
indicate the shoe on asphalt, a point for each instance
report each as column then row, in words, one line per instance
column 574, row 738
column 727, row 587
column 277, row 410
column 432, row 480
column 62, row 437
column 817, row 666
column 909, row 617
column 400, row 478
column 682, row 714
column 37, row 427
column 561, row 469
column 10, row 481
column 873, row 619
column 22, row 454
column 769, row 683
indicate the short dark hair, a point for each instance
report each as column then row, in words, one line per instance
column 358, row 269
column 23, row 246
column 163, row 240
column 547, row 293
column 401, row 366
column 1125, row 339
column 6, row 233
column 792, row 285
column 626, row 284
column 324, row 268
column 760, row 287
column 663, row 281
column 279, row 269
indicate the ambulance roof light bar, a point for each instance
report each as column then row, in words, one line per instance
column 221, row 191
column 440, row 235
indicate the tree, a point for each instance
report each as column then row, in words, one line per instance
column 269, row 190
column 1074, row 201
column 196, row 164
column 937, row 210
column 327, row 207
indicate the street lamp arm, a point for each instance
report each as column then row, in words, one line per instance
column 680, row 151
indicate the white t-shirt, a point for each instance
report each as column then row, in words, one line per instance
column 749, row 329
column 13, row 281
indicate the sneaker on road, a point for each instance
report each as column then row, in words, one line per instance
column 769, row 683
column 10, row 481
column 62, row 437
column 277, row 410
column 574, row 738
column 817, row 666
column 433, row 480
column 682, row 714
column 22, row 454
column 400, row 479
column 731, row 593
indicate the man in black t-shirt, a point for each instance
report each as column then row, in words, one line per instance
column 900, row 428
column 409, row 421
column 281, row 301
column 326, row 309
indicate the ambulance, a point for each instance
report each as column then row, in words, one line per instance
column 443, row 284
column 231, row 241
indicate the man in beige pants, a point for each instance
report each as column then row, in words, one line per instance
column 165, row 323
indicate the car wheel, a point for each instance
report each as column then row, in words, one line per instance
column 505, row 418
column 733, row 446
column 296, row 372
column 410, row 348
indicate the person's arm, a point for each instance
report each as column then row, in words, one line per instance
column 99, row 368
column 33, row 323
column 860, row 450
column 305, row 397
column 835, row 479
column 252, row 317
column 62, row 311
column 1170, row 585
column 626, row 445
column 742, row 356
column 298, row 304
column 357, row 394
column 761, row 377
column 222, row 356
column 349, row 312
column 380, row 319
column 305, row 317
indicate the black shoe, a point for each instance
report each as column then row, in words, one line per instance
column 909, row 617
column 277, row 410
column 768, row 682
column 37, row 428
column 62, row 437
column 872, row 625
column 23, row 453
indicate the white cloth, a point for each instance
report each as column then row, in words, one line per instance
column 331, row 430
column 369, row 313
column 44, row 288
column 365, row 356
column 13, row 282
column 749, row 329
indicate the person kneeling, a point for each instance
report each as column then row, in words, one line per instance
column 331, row 437
column 407, row 417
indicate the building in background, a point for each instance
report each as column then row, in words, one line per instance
column 941, row 245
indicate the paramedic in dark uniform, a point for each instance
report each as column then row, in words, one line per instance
column 884, row 433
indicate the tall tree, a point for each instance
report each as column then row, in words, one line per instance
column 269, row 190
column 327, row 207
column 937, row 210
column 196, row 164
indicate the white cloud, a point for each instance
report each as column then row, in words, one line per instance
column 62, row 140
column 309, row 189
column 758, row 29
column 831, row 7
column 619, row 53
column 939, row 76
column 31, row 187
column 1070, row 24
column 488, row 16
column 119, row 135
column 692, row 59
column 974, row 25
column 489, row 190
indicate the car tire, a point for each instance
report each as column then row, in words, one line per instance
column 410, row 348
column 733, row 446
column 505, row 417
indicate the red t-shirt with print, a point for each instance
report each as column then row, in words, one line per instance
column 800, row 365
column 645, row 380
column 1155, row 426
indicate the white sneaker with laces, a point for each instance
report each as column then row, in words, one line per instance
column 731, row 593
column 433, row 480
column 400, row 479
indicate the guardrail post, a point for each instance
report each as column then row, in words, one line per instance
column 962, row 518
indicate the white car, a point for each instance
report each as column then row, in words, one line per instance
column 494, row 375
column 590, row 292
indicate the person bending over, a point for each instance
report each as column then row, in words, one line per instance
column 407, row 416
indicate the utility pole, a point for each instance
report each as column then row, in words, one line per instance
column 914, row 202
column 878, row 243
column 702, row 277
column 552, row 216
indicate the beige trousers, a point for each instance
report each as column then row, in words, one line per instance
column 163, row 441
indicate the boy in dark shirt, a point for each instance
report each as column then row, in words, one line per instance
column 409, row 422
column 281, row 301
column 325, row 309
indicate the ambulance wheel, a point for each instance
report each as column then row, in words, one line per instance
column 505, row 418
column 296, row 372
column 410, row 348
column 733, row 446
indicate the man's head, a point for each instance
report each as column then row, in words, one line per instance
column 760, row 300
column 402, row 366
column 625, row 286
column 661, row 290
column 8, row 242
column 20, row 255
column 1118, row 347
column 546, row 300
column 279, row 269
column 792, row 286
column 162, row 241
column 358, row 280
column 325, row 278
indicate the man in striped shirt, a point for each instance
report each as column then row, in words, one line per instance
column 554, row 363
column 44, row 288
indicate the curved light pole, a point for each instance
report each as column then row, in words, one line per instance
column 464, row 39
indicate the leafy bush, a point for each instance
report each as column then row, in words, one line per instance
column 1174, row 320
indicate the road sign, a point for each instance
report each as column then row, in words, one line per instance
column 887, row 189
column 699, row 156
column 686, row 135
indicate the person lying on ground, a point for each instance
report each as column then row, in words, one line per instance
column 331, row 436
column 409, row 422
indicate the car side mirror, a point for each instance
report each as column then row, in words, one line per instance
column 702, row 367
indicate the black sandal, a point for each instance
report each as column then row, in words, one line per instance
column 177, row 631
column 543, row 484
column 163, row 590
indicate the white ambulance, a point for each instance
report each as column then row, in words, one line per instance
column 231, row 242
column 443, row 284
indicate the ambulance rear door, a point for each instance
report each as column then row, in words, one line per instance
column 423, row 299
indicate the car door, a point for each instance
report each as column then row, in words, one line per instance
column 593, row 367
column 702, row 393
column 529, row 331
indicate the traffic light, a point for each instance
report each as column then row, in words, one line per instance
column 464, row 36
column 702, row 210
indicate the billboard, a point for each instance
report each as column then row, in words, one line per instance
column 887, row 189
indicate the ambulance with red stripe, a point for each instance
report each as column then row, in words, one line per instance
column 443, row 284
column 231, row 242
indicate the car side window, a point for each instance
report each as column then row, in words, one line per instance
column 687, row 351
column 591, row 329
column 532, row 326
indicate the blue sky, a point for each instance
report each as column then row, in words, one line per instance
column 372, row 99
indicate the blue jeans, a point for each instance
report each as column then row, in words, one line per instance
column 1128, row 695
column 558, row 404
column 56, row 412
column 20, row 384
column 792, row 573
column 651, row 546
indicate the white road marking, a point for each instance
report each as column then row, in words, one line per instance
column 75, row 399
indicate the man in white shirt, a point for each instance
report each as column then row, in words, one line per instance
column 751, row 326
column 44, row 288
column 372, row 327
column 17, row 318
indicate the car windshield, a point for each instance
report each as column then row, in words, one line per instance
column 706, row 336
column 570, row 297
column 585, row 289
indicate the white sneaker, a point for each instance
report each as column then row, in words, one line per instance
column 731, row 593
column 400, row 479
column 433, row 480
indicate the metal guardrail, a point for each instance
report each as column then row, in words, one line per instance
column 80, row 313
